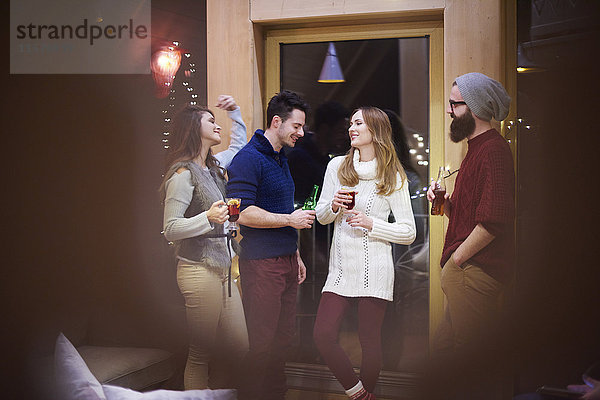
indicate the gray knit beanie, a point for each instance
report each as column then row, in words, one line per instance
column 484, row 96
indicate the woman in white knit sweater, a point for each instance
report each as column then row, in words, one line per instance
column 361, row 268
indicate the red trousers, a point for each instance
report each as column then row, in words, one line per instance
column 371, row 312
column 269, row 288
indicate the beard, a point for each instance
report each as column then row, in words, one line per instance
column 462, row 127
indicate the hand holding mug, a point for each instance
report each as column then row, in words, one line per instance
column 217, row 212
column 343, row 198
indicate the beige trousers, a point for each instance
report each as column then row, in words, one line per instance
column 470, row 335
column 473, row 304
column 217, row 327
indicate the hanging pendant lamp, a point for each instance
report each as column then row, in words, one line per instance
column 331, row 71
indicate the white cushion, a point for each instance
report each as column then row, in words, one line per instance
column 73, row 378
column 119, row 393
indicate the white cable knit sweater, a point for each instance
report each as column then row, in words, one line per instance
column 360, row 262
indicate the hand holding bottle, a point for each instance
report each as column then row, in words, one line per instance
column 301, row 219
column 436, row 194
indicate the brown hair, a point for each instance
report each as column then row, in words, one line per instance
column 388, row 165
column 185, row 141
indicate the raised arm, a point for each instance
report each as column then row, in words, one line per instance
column 238, row 130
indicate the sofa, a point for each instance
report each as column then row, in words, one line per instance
column 115, row 352
column 75, row 381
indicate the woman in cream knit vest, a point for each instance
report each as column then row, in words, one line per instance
column 361, row 268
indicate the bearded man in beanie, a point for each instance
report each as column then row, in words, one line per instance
column 478, row 256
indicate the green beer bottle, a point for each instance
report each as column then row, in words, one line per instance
column 311, row 201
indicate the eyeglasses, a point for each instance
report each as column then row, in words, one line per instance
column 455, row 103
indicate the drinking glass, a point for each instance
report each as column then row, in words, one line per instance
column 233, row 207
column 352, row 192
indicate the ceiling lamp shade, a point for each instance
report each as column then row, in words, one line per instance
column 331, row 71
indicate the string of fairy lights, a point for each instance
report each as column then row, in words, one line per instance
column 173, row 52
column 421, row 154
column 511, row 127
column 187, row 87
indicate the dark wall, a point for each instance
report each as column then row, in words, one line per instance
column 82, row 157
column 558, row 279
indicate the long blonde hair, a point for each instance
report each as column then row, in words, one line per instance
column 388, row 164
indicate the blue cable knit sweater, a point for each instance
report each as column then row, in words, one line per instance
column 260, row 176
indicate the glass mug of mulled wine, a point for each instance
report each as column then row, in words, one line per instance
column 350, row 191
column 233, row 207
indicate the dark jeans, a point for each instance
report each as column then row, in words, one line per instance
column 269, row 288
column 327, row 326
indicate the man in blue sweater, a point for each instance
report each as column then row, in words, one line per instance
column 270, row 265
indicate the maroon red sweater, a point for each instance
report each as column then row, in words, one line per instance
column 485, row 193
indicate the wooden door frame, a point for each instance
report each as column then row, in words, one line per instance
column 435, row 31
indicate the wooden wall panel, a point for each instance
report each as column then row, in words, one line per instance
column 437, row 133
column 231, row 60
column 473, row 42
column 279, row 10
